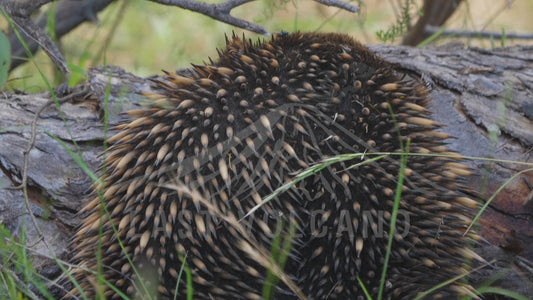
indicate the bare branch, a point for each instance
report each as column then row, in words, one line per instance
column 69, row 15
column 220, row 11
column 30, row 29
column 346, row 6
column 479, row 34
column 20, row 14
column 22, row 9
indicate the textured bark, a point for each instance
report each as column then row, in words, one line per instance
column 484, row 98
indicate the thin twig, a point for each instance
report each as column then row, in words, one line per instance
column 479, row 34
column 20, row 14
column 17, row 281
column 49, row 282
column 346, row 6
column 68, row 16
column 31, row 143
column 221, row 11
column 29, row 28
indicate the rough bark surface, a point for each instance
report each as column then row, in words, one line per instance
column 484, row 98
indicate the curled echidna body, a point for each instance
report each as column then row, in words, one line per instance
column 265, row 120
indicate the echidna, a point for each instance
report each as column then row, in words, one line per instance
column 234, row 181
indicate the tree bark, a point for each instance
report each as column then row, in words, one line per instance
column 484, row 98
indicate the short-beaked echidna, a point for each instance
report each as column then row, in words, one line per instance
column 276, row 118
